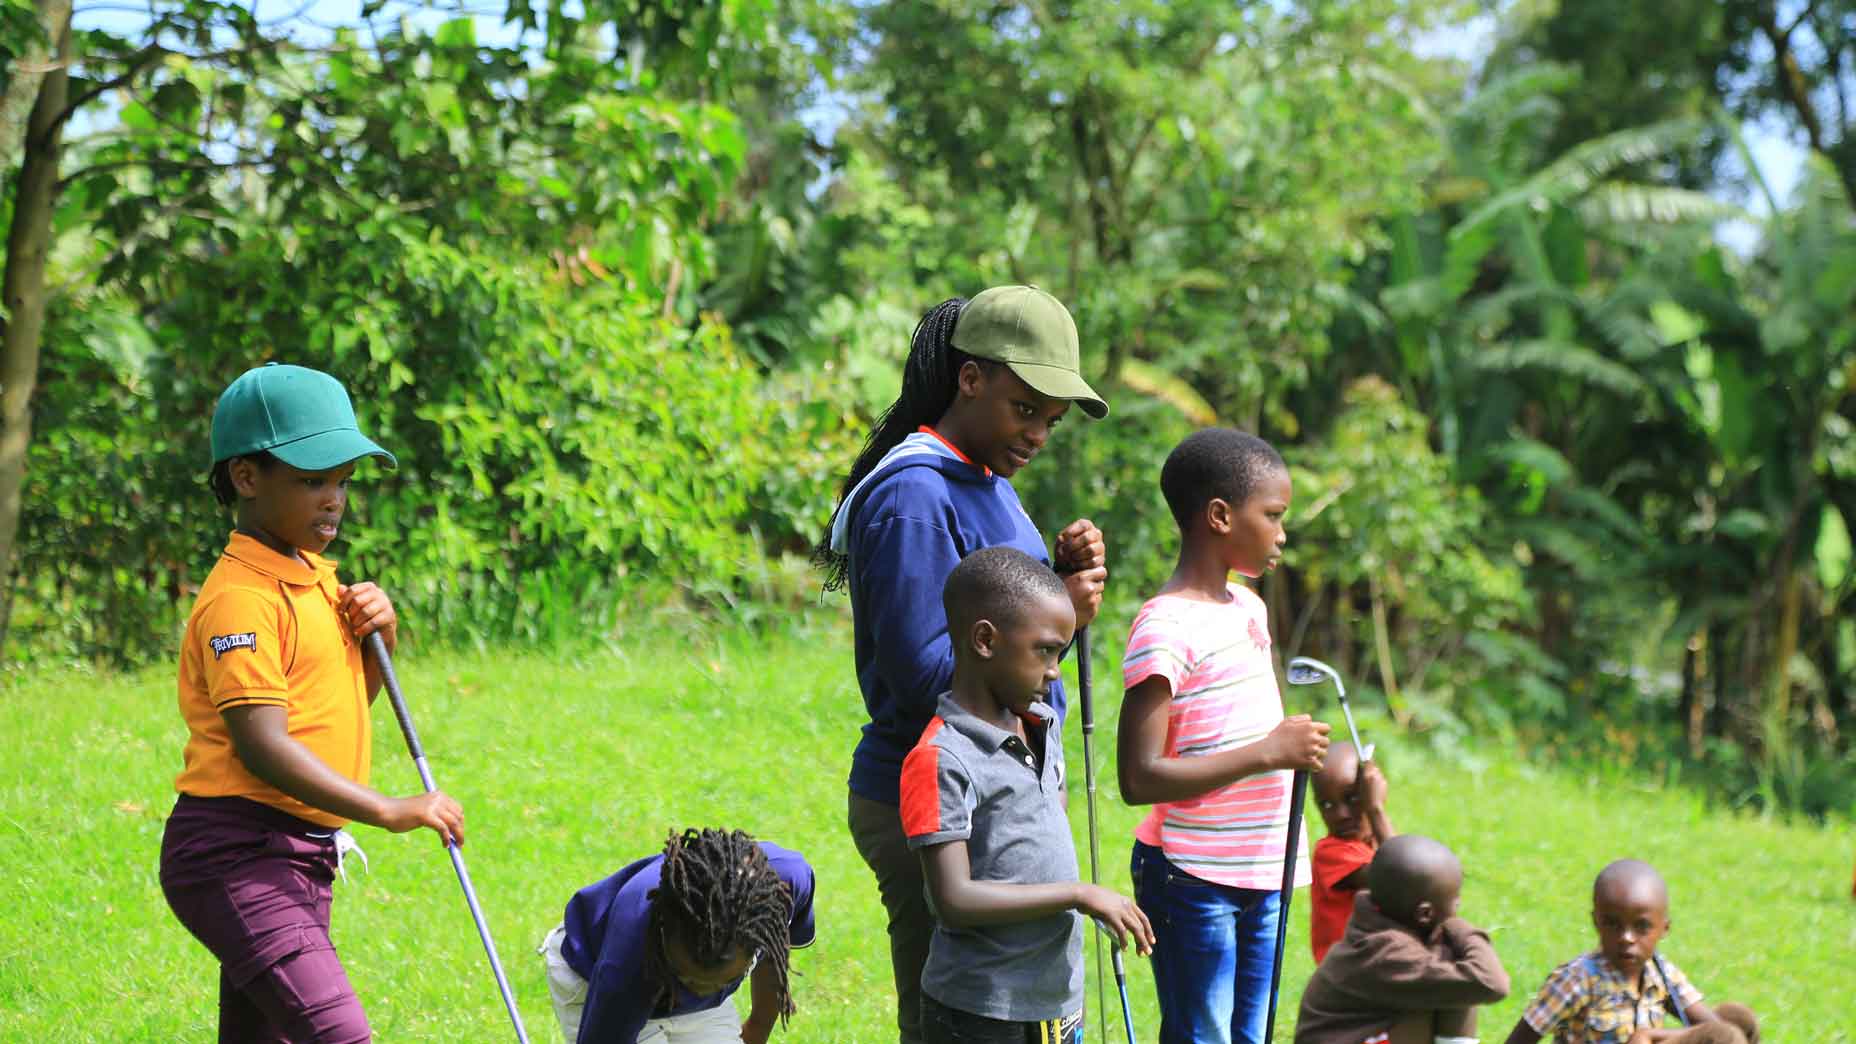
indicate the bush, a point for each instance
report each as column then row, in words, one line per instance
column 557, row 444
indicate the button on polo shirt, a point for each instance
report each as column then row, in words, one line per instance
column 967, row 780
column 265, row 632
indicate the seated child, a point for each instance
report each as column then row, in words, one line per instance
column 983, row 806
column 653, row 952
column 1351, row 795
column 1617, row 994
column 1408, row 971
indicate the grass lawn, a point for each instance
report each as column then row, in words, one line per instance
column 570, row 764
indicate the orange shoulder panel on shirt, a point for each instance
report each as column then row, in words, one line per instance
column 921, row 785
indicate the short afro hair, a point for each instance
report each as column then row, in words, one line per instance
column 997, row 584
column 1409, row 868
column 1221, row 463
column 1631, row 877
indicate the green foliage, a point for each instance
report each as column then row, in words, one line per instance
column 1109, row 472
column 625, row 285
column 1377, row 508
column 488, row 250
column 547, row 436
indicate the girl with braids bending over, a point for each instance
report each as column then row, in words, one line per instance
column 985, row 384
column 652, row 954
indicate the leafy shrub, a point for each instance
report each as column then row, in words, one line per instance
column 556, row 444
column 1377, row 511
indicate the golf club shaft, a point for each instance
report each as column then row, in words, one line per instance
column 1352, row 730
column 1121, row 984
column 1297, row 788
column 378, row 647
column 1675, row 1001
column 1086, row 696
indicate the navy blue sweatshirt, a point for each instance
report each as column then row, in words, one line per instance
column 910, row 523
column 607, row 926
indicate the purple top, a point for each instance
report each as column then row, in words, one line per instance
column 605, row 945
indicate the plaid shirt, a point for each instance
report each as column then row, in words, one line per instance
column 1587, row 1001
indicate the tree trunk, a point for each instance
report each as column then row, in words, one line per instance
column 1382, row 644
column 1276, row 599
column 1692, row 705
column 23, row 289
column 1786, row 644
column 1718, row 665
column 24, row 77
column 1796, row 89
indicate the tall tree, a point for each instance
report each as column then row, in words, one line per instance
column 28, row 242
column 1793, row 60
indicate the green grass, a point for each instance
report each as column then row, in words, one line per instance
column 570, row 764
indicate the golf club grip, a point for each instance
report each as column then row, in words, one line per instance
column 378, row 646
column 1298, row 787
column 1084, row 679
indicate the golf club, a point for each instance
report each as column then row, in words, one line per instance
column 378, row 647
column 1306, row 671
column 1085, row 693
column 1297, row 790
column 1675, row 1002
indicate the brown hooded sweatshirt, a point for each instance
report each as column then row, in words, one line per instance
column 1382, row 971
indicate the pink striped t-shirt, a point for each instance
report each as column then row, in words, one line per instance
column 1215, row 658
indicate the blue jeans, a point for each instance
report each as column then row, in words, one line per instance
column 1216, row 947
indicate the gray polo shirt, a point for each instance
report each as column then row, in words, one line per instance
column 969, row 781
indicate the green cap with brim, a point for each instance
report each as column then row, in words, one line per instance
column 300, row 416
column 1033, row 335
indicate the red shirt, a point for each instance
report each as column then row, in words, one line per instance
column 1329, row 905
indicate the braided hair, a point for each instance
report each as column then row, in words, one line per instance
column 220, row 478
column 718, row 893
column 930, row 379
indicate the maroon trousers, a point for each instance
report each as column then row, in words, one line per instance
column 253, row 885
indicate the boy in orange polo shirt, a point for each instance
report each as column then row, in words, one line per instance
column 275, row 695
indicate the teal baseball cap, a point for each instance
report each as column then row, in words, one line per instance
column 300, row 416
column 1033, row 335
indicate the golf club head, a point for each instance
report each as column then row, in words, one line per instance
column 1304, row 670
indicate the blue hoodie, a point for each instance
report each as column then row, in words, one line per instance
column 905, row 527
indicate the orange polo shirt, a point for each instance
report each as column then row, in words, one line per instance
column 265, row 630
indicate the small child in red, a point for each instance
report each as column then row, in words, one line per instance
column 1351, row 795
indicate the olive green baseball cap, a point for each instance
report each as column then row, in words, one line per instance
column 1033, row 335
column 298, row 415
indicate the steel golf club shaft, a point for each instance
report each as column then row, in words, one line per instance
column 1675, row 1001
column 378, row 647
column 1086, row 696
column 1085, row 685
column 1358, row 748
column 1298, row 789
